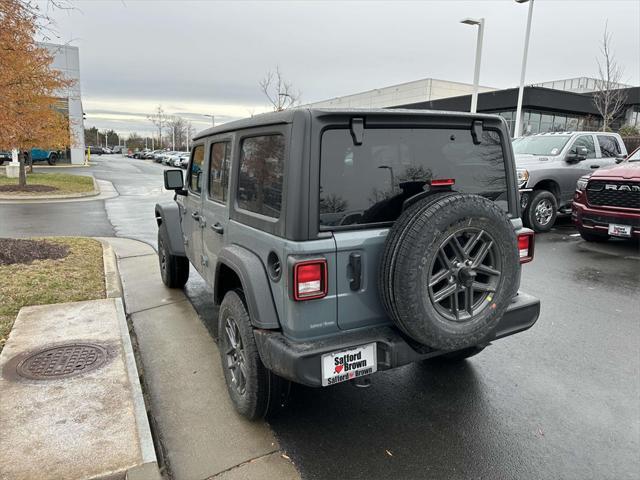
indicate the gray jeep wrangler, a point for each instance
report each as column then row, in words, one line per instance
column 342, row 242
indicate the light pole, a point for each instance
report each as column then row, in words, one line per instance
column 516, row 132
column 213, row 119
column 476, row 73
column 393, row 180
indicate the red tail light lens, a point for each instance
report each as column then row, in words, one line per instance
column 442, row 182
column 310, row 279
column 525, row 246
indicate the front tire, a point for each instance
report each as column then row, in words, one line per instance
column 593, row 237
column 174, row 270
column 541, row 212
column 254, row 391
column 53, row 158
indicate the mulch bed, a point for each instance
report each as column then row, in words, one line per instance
column 27, row 188
column 26, row 251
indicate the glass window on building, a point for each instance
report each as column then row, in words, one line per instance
column 534, row 123
column 559, row 123
column 546, row 123
column 572, row 124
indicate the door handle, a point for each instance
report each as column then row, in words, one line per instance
column 218, row 228
column 594, row 166
column 195, row 215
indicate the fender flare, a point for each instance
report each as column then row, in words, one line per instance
column 255, row 284
column 168, row 219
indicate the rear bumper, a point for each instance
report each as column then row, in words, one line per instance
column 301, row 361
column 597, row 220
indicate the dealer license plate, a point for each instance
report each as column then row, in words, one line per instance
column 349, row 364
column 619, row 230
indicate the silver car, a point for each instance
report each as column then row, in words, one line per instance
column 549, row 164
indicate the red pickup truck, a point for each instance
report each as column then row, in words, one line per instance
column 607, row 202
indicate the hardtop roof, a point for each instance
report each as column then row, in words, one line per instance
column 286, row 116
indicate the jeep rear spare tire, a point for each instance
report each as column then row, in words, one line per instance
column 449, row 270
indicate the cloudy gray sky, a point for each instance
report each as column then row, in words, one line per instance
column 204, row 57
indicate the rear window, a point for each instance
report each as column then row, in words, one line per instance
column 367, row 184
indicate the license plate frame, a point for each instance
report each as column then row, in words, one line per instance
column 349, row 363
column 617, row 230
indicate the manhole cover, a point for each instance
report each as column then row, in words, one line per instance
column 62, row 361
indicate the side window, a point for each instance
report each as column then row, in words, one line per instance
column 585, row 141
column 195, row 172
column 608, row 146
column 260, row 174
column 219, row 171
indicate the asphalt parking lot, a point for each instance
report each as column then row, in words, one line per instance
column 558, row 401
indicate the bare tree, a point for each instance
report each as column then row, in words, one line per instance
column 180, row 131
column 159, row 119
column 280, row 92
column 608, row 97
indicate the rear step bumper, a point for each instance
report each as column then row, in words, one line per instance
column 300, row 361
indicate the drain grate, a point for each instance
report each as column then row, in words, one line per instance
column 62, row 361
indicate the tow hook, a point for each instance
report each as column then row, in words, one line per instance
column 361, row 382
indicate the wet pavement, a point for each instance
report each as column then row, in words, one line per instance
column 561, row 400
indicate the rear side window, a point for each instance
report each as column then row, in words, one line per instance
column 608, row 146
column 368, row 183
column 219, row 171
column 195, row 172
column 260, row 175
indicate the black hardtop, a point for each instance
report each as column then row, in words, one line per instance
column 286, row 116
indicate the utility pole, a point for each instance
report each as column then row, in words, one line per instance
column 527, row 34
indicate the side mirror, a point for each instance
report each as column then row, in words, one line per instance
column 577, row 154
column 173, row 180
column 620, row 157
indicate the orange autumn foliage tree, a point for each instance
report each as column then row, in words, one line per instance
column 29, row 87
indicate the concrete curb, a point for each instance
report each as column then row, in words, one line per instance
column 105, row 187
column 149, row 469
column 39, row 198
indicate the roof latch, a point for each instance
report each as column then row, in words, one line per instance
column 476, row 132
column 357, row 130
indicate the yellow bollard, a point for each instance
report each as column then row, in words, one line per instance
column 87, row 159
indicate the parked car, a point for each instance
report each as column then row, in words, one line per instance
column 165, row 158
column 121, row 149
column 150, row 154
column 107, row 150
column 607, row 202
column 5, row 157
column 184, row 160
column 174, row 160
column 95, row 150
column 369, row 239
column 141, row 153
column 549, row 164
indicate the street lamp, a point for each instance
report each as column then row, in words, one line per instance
column 476, row 74
column 213, row 119
column 516, row 133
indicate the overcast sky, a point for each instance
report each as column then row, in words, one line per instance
column 207, row 57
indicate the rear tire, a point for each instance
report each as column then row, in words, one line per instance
column 541, row 213
column 254, row 391
column 593, row 237
column 174, row 269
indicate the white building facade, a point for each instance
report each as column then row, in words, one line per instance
column 423, row 90
column 66, row 59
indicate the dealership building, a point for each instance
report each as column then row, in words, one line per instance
column 66, row 59
column 559, row 105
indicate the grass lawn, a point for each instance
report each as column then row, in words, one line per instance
column 78, row 276
column 55, row 183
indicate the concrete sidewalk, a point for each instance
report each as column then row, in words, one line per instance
column 201, row 435
column 74, row 411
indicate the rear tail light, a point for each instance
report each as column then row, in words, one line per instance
column 525, row 246
column 310, row 279
column 442, row 182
